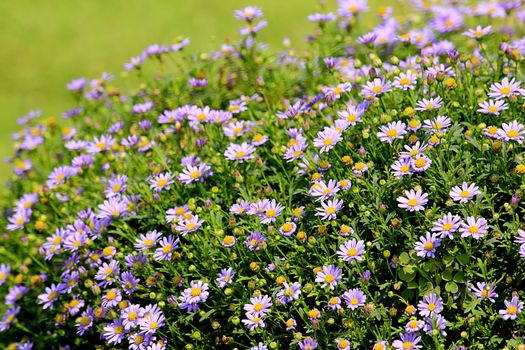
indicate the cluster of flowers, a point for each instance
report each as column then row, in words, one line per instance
column 386, row 176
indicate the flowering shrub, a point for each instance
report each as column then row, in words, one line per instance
column 363, row 194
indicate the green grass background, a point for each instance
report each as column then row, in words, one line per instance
column 47, row 43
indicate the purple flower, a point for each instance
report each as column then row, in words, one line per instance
column 50, row 296
column 77, row 85
column 258, row 306
column 329, row 209
column 191, row 297
column 408, row 341
column 255, row 240
column 240, row 152
column 129, row 282
column 114, row 332
column 327, row 139
column 152, row 321
column 430, row 305
column 512, row 309
column 167, row 246
column 464, row 193
column 473, row 227
column 289, row 293
column 354, row 298
column 195, row 173
column 512, row 131
column 111, row 298
column 447, row 225
column 352, row 250
column 392, row 131
column 427, row 245
column 116, row 206
column 225, row 277
column 15, row 294
column 484, row 291
column 308, row 344
column 116, row 185
column 161, row 181
column 9, row 317
column 414, row 200
column 428, row 104
column 287, row 229
column 328, row 276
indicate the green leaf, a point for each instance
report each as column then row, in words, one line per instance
column 448, row 260
column 460, row 277
column 451, row 287
column 404, row 259
column 407, row 273
column 463, row 259
column 447, row 275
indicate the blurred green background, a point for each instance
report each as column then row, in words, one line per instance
column 47, row 43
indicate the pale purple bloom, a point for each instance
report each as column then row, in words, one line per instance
column 9, row 317
column 129, row 282
column 402, row 167
column 192, row 296
column 414, row 200
column 484, row 291
column 512, row 131
column 116, row 185
column 504, row 89
column 100, row 144
column 354, row 298
column 428, row 104
column 186, row 226
column 287, row 229
column 492, row 107
column 407, row 341
column 405, row 81
column 414, row 325
column 473, row 227
column 195, row 173
column 289, row 293
column 114, row 332
column 352, row 250
column 512, row 309
column 240, row 152
column 167, row 246
column 116, row 206
column 438, row 124
column 327, row 139
column 254, row 241
column 248, row 13
column 308, row 343
column 271, row 211
column 225, row 277
column 447, row 225
column 323, row 190
column 464, row 193
column 329, row 276
column 329, row 209
column 50, row 295
column 252, row 322
column 430, row 305
column 258, row 306
column 161, row 182
column 427, row 245
column 321, row 18
column 391, row 131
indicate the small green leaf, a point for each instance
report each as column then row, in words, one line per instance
column 451, row 287
column 447, row 275
column 464, row 259
column 460, row 277
column 404, row 259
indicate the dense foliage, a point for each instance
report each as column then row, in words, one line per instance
column 362, row 194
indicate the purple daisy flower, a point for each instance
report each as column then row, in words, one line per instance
column 354, row 298
column 352, row 250
column 447, row 225
column 161, row 182
column 240, row 152
column 391, row 131
column 167, row 246
column 430, row 305
column 114, row 332
column 407, row 341
column 258, row 306
column 129, row 282
column 327, row 139
column 329, row 209
column 328, row 276
column 308, row 344
column 474, row 227
column 464, row 193
column 427, row 245
column 512, row 309
column 225, row 277
column 484, row 291
column 414, row 200
column 289, row 293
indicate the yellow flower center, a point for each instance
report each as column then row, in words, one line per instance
column 421, row 162
column 287, row 227
column 359, row 166
column 240, row 154
column 473, row 229
column 512, row 133
column 412, row 202
column 429, row 246
column 328, row 141
column 111, row 295
column 329, row 278
column 512, row 310
column 166, row 249
column 195, row 292
column 351, row 252
column 270, row 213
column 228, row 240
column 492, row 109
column 391, row 133
column 330, row 210
column 504, row 90
column 404, row 81
column 258, row 307
column 447, row 227
column 162, row 182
